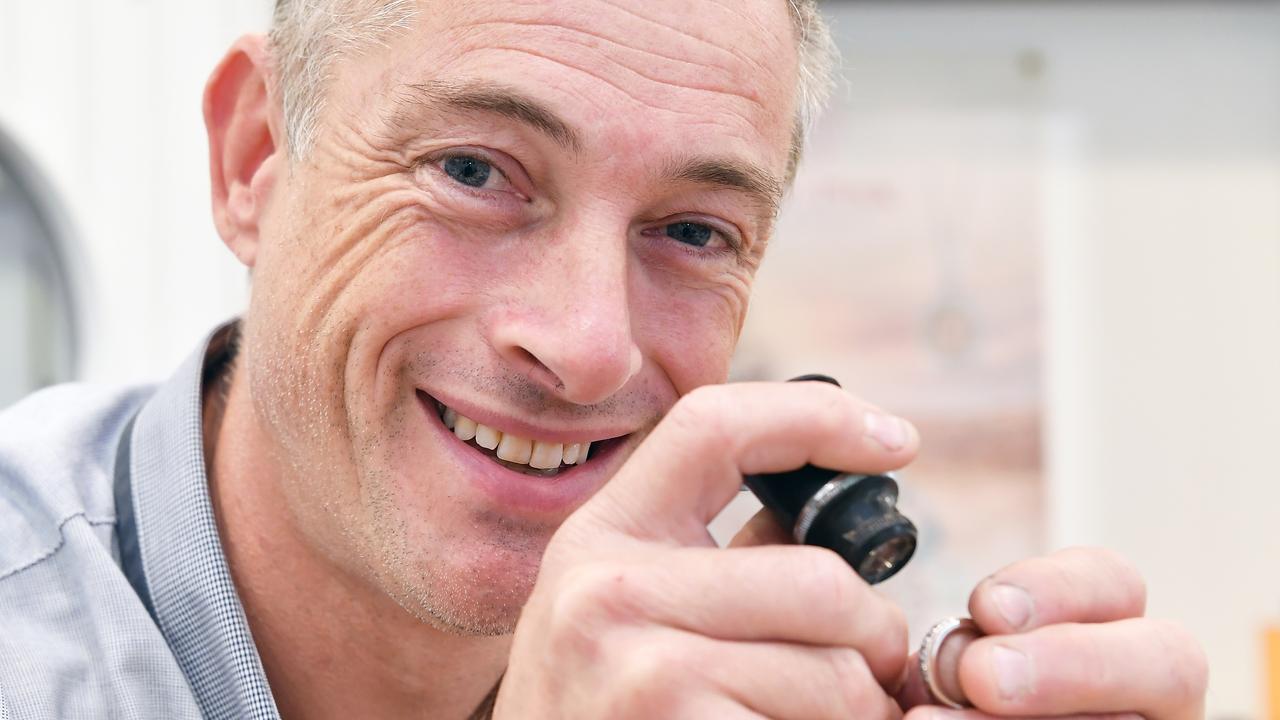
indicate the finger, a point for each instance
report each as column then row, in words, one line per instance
column 783, row 681
column 709, row 705
column 1085, row 585
column 778, row 593
column 913, row 692
column 940, row 713
column 762, row 529
column 692, row 463
column 1150, row 667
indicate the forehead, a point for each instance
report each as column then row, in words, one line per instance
column 720, row 74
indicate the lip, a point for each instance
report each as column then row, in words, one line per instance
column 514, row 493
column 505, row 424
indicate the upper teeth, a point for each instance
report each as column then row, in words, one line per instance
column 513, row 448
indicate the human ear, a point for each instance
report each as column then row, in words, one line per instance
column 244, row 125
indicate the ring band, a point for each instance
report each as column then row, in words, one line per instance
column 929, row 650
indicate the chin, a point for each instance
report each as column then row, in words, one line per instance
column 455, row 538
column 473, row 581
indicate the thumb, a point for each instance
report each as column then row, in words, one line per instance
column 693, row 462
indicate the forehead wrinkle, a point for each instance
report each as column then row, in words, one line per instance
column 667, row 50
column 680, row 31
column 492, row 98
column 585, row 37
column 758, row 66
column 659, row 52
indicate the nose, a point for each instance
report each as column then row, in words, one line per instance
column 568, row 327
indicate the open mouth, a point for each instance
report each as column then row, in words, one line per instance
column 530, row 456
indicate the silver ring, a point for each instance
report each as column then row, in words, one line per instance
column 818, row 501
column 929, row 650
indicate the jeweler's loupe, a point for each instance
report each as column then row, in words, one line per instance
column 854, row 515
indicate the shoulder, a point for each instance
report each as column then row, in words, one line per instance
column 74, row 639
column 57, row 451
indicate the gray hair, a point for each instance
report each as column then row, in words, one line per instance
column 309, row 36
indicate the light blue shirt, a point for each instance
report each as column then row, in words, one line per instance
column 115, row 597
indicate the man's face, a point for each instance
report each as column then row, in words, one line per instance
column 543, row 216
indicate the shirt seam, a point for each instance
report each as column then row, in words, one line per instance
column 62, row 541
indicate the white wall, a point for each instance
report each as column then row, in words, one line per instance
column 105, row 95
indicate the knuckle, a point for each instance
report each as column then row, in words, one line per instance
column 1187, row 666
column 703, row 402
column 836, row 414
column 1138, row 595
column 651, row 676
column 896, row 634
column 1113, row 565
column 1131, row 579
column 821, row 573
column 566, row 545
column 854, row 684
column 702, row 412
column 1122, row 572
column 588, row 599
column 847, row 599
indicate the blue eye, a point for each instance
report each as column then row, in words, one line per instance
column 468, row 170
column 689, row 233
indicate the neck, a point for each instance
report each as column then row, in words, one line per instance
column 332, row 644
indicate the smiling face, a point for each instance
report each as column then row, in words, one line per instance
column 523, row 225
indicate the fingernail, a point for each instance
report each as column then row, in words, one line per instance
column 1013, row 672
column 889, row 431
column 1013, row 603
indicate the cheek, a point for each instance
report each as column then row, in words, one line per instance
column 372, row 262
column 418, row 297
column 691, row 331
column 341, row 275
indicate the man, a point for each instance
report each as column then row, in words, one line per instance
column 458, row 455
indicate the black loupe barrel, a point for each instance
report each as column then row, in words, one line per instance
column 854, row 515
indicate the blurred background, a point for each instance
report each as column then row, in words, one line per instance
column 1048, row 232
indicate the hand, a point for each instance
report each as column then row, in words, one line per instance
column 1066, row 637
column 636, row 613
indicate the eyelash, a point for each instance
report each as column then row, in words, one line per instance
column 732, row 246
column 436, row 162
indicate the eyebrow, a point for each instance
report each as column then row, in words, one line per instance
column 499, row 100
column 762, row 187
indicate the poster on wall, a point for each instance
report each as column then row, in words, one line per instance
column 906, row 263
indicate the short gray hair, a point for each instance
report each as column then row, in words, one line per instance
column 309, row 36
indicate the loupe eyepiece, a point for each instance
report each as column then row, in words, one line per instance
column 854, row 515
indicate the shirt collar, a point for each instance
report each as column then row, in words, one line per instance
column 193, row 598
